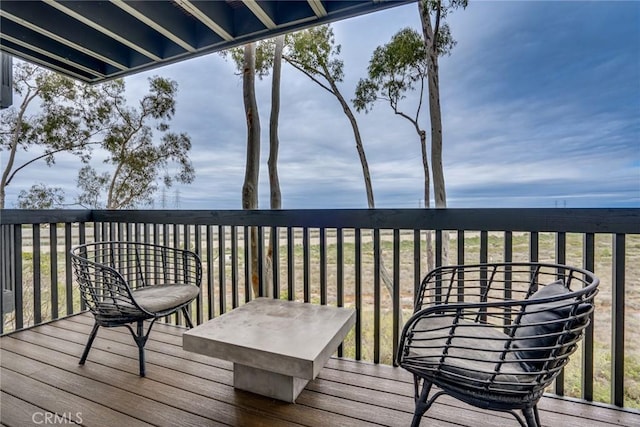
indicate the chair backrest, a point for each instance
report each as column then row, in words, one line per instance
column 108, row 272
column 513, row 323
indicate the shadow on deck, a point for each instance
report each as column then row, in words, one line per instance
column 41, row 378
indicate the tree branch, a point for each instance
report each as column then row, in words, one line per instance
column 48, row 153
column 436, row 27
column 420, row 98
column 297, row 66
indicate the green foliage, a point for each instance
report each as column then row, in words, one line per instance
column 91, row 184
column 139, row 163
column 314, row 52
column 394, row 70
column 56, row 115
column 439, row 10
column 264, row 57
column 40, row 196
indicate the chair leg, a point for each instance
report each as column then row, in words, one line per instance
column 141, row 339
column 187, row 317
column 421, row 404
column 531, row 416
column 92, row 336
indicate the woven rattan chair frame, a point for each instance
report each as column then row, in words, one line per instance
column 481, row 334
column 110, row 273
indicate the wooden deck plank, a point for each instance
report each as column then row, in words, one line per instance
column 183, row 388
column 59, row 401
column 221, row 391
column 16, row 411
column 151, row 389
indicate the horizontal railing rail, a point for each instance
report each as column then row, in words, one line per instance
column 370, row 259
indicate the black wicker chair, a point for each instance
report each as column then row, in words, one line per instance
column 495, row 335
column 126, row 282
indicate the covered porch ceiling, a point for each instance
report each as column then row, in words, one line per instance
column 94, row 41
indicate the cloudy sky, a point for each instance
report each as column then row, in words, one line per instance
column 540, row 104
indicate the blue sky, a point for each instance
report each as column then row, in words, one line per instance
column 540, row 103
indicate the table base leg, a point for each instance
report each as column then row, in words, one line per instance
column 270, row 384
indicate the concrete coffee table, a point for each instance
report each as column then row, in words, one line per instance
column 276, row 346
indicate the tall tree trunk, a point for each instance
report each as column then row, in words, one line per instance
column 435, row 114
column 439, row 193
column 359, row 147
column 384, row 273
column 427, row 196
column 250, row 186
column 275, row 197
column 274, row 142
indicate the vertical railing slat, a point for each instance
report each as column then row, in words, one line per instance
column 198, row 250
column 376, row 295
column 222, row 272
column 323, row 266
column 396, row 294
column 68, row 243
column 508, row 273
column 484, row 246
column 617, row 320
column 306, row 261
column 588, row 261
column 17, row 275
column 247, row 265
column 561, row 258
column 534, row 246
column 262, row 286
column 37, row 275
column 211, row 305
column 275, row 261
column 358, row 291
column 417, row 270
column 291, row 290
column 340, row 276
column 53, row 253
column 234, row 267
column 82, row 239
column 439, row 249
column 461, row 262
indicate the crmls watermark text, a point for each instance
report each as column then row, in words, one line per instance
column 52, row 418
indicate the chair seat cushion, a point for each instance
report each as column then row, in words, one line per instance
column 159, row 298
column 472, row 355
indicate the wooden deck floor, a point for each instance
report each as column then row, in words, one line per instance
column 41, row 377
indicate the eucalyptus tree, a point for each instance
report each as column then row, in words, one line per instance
column 438, row 41
column 41, row 196
column 395, row 69
column 315, row 53
column 258, row 59
column 252, row 168
column 55, row 115
column 138, row 161
column 402, row 66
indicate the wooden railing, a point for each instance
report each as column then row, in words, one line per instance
column 341, row 257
